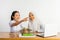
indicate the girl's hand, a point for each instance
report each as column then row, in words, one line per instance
column 25, row 19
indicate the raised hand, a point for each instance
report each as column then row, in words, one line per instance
column 25, row 19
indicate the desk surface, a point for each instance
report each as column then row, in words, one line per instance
column 6, row 35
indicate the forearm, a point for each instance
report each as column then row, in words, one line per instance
column 16, row 23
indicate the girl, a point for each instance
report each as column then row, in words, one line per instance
column 34, row 23
column 15, row 22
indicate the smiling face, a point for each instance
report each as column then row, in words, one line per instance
column 16, row 16
column 31, row 16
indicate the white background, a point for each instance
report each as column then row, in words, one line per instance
column 58, row 13
column 46, row 10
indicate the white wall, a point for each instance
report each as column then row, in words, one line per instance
column 58, row 13
column 44, row 9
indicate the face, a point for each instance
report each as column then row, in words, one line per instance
column 31, row 16
column 16, row 16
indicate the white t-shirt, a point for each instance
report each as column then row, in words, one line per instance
column 18, row 27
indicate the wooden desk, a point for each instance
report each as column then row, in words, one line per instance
column 8, row 36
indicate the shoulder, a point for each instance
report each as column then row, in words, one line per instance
column 37, row 20
column 11, row 22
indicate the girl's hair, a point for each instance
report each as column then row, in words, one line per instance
column 13, row 13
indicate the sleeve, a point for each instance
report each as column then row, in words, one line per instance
column 38, row 25
column 11, row 22
column 41, row 27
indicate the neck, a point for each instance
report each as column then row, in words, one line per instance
column 32, row 20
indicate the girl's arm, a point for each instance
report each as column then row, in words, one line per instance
column 18, row 22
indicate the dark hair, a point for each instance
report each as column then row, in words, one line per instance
column 13, row 13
